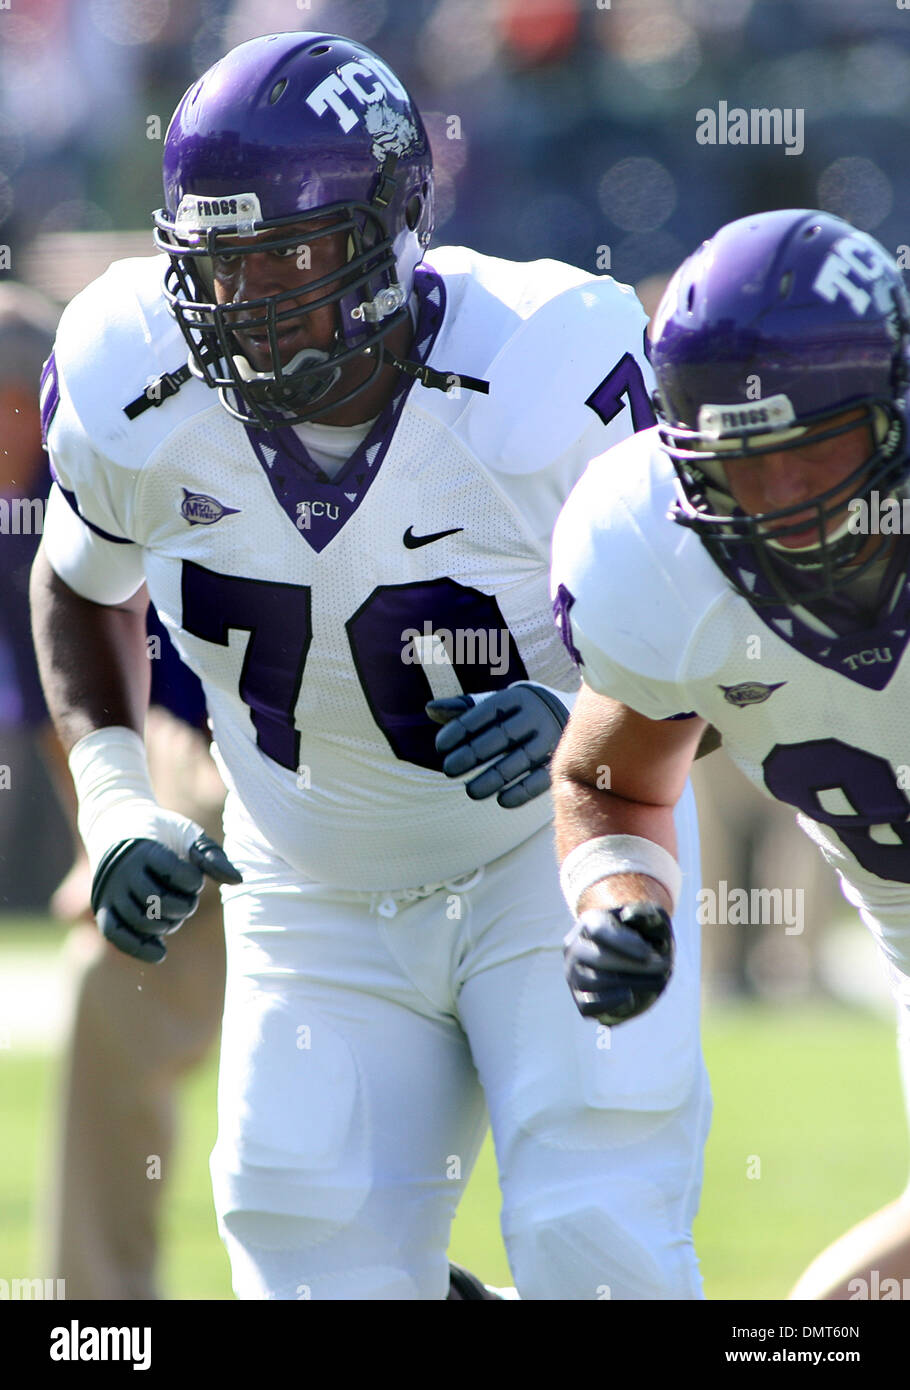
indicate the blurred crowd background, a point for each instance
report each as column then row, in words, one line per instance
column 574, row 137
column 577, row 116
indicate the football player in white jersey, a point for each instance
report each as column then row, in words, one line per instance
column 337, row 468
column 776, row 605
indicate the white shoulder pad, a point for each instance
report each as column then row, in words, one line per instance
column 487, row 301
column 563, row 352
column 549, row 368
column 520, row 286
column 114, row 339
column 630, row 586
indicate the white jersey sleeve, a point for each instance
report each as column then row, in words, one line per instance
column 93, row 535
column 100, row 570
column 620, row 612
column 85, row 537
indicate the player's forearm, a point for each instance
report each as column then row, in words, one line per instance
column 92, row 658
column 585, row 812
column 54, row 758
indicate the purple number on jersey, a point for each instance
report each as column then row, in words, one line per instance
column 798, row 772
column 624, row 380
column 469, row 625
column 277, row 617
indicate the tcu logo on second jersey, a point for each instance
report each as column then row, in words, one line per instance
column 868, row 658
column 854, row 258
column 347, row 81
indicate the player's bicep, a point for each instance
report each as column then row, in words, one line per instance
column 608, row 746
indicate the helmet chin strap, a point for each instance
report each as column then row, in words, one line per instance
column 305, row 393
column 433, row 379
column 840, row 547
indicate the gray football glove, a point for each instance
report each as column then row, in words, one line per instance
column 618, row 960
column 142, row 891
column 519, row 727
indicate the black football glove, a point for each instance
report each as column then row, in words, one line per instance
column 618, row 960
column 142, row 891
column 519, row 727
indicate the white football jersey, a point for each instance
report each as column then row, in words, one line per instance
column 321, row 614
column 815, row 719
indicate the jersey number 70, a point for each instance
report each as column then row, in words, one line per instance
column 278, row 618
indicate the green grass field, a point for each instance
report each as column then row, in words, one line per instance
column 808, row 1136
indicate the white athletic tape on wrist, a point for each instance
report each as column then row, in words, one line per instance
column 606, row 855
column 116, row 800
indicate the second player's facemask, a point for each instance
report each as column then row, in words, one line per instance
column 706, row 460
column 785, row 329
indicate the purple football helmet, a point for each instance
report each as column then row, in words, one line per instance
column 286, row 129
column 779, row 323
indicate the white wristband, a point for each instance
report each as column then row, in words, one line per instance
column 606, row 855
column 116, row 800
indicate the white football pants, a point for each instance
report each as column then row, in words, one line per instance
column 366, row 1036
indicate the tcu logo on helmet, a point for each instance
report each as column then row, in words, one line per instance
column 335, row 91
column 862, row 259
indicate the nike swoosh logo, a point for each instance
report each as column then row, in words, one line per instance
column 413, row 542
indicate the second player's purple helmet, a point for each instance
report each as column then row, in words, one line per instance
column 780, row 322
column 286, row 128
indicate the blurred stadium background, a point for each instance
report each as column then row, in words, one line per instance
column 563, row 128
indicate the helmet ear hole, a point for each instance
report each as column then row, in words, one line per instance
column 412, row 211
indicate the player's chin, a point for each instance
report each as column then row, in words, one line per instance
column 810, row 537
column 353, row 374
